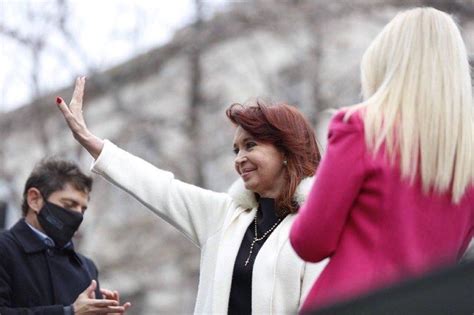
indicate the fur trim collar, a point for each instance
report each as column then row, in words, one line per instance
column 246, row 198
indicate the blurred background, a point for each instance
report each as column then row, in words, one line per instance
column 160, row 76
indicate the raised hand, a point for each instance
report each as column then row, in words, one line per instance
column 87, row 304
column 75, row 120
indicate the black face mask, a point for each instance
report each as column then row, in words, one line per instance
column 59, row 223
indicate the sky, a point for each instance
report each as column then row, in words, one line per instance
column 108, row 32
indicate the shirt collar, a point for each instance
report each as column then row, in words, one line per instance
column 45, row 238
column 31, row 242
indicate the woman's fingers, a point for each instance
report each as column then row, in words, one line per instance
column 77, row 95
column 73, row 112
column 75, row 120
column 63, row 106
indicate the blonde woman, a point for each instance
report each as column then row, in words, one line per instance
column 393, row 196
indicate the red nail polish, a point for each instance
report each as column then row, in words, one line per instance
column 59, row 100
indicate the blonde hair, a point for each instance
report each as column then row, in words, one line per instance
column 417, row 93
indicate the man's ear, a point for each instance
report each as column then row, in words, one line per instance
column 34, row 199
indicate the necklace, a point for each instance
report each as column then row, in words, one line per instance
column 257, row 239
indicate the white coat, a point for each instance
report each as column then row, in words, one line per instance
column 216, row 223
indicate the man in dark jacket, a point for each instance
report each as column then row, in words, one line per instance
column 40, row 272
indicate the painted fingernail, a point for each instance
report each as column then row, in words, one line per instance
column 59, row 100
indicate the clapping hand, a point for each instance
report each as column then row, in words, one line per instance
column 87, row 304
column 114, row 296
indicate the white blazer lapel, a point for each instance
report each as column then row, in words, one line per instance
column 266, row 263
column 228, row 249
column 265, row 268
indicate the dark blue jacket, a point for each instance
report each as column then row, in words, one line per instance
column 35, row 279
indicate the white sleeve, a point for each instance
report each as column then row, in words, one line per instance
column 196, row 212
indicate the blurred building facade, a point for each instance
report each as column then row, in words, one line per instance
column 168, row 105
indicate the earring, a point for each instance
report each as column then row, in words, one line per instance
column 285, row 162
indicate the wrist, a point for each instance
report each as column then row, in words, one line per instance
column 91, row 143
column 83, row 137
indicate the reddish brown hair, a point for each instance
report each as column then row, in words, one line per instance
column 288, row 130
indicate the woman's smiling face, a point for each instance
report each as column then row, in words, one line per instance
column 259, row 164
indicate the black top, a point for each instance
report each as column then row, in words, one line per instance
column 240, row 300
column 37, row 279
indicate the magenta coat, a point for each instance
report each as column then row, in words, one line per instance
column 376, row 228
